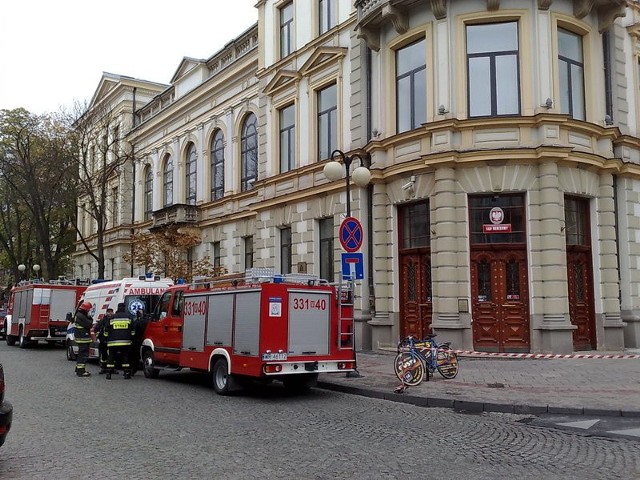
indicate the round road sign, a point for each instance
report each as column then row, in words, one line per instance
column 351, row 234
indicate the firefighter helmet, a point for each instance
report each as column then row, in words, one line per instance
column 86, row 306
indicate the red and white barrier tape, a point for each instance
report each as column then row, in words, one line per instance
column 544, row 355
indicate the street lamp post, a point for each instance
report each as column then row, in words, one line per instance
column 361, row 176
column 36, row 269
column 22, row 267
column 333, row 171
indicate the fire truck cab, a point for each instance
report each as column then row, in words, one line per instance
column 41, row 311
column 262, row 327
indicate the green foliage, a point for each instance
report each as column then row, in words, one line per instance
column 37, row 190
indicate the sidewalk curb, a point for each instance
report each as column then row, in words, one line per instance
column 472, row 406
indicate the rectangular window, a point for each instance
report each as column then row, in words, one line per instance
column 287, row 138
column 286, row 30
column 493, row 74
column 325, row 16
column 576, row 221
column 114, row 206
column 327, row 121
column 116, row 142
column 326, row 249
column 248, row 252
column 416, row 223
column 411, row 86
column 571, row 70
column 217, row 255
column 148, row 194
column 497, row 219
column 285, row 250
column 608, row 90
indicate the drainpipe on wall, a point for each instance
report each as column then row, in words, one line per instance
column 372, row 294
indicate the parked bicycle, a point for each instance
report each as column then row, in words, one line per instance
column 417, row 358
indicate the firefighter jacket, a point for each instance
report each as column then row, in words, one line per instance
column 83, row 324
column 120, row 331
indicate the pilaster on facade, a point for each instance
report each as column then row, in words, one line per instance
column 613, row 337
column 449, row 254
column 550, row 321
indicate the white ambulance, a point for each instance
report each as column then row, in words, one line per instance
column 141, row 293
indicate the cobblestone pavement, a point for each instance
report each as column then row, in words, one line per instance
column 176, row 427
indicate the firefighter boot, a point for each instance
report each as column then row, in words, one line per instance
column 127, row 375
column 81, row 372
column 108, row 375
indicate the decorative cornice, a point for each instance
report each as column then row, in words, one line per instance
column 582, row 8
column 544, row 4
column 371, row 38
column 493, row 5
column 439, row 8
column 606, row 16
column 398, row 18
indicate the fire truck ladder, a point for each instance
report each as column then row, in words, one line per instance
column 346, row 336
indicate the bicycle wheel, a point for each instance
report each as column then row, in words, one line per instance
column 408, row 368
column 447, row 363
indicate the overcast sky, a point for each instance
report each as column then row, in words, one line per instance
column 53, row 52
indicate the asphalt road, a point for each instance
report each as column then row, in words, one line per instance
column 67, row 427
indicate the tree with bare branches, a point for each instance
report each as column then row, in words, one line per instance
column 102, row 157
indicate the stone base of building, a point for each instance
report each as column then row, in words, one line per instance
column 383, row 331
column 554, row 339
column 631, row 329
column 363, row 333
column 613, row 337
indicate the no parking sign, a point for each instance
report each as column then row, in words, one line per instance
column 351, row 234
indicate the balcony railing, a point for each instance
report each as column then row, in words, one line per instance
column 177, row 214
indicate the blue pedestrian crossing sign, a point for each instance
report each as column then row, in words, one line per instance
column 351, row 234
column 353, row 266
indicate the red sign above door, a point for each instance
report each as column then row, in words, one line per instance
column 496, row 228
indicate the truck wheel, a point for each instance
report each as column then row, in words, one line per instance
column 148, row 365
column 71, row 356
column 23, row 342
column 221, row 377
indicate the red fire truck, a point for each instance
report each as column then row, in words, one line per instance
column 41, row 311
column 261, row 326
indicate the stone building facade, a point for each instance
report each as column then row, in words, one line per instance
column 502, row 139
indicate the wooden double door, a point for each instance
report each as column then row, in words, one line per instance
column 500, row 300
column 416, row 307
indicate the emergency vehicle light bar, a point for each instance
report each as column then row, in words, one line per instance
column 258, row 274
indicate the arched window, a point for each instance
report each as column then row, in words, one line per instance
column 249, row 153
column 148, row 193
column 217, row 166
column 168, row 181
column 190, row 175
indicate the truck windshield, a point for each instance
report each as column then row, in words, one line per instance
column 146, row 303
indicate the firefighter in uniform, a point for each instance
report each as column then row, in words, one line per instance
column 102, row 340
column 119, row 332
column 83, row 324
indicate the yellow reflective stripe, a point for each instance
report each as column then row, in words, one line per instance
column 123, row 343
column 120, row 325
